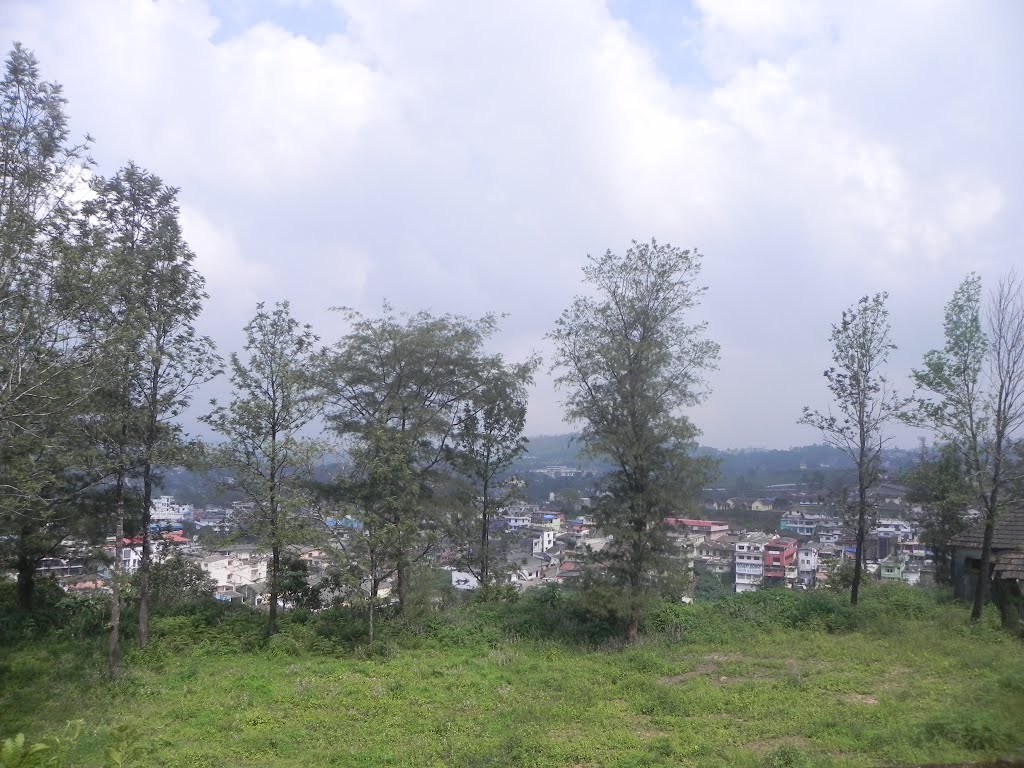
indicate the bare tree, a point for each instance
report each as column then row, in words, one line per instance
column 864, row 404
column 974, row 399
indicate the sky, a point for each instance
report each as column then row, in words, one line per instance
column 466, row 157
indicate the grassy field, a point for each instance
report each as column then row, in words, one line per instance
column 772, row 679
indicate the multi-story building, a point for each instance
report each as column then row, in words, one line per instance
column 780, row 567
column 807, row 565
column 163, row 510
column 750, row 561
column 717, row 555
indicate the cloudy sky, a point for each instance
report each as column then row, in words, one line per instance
column 466, row 156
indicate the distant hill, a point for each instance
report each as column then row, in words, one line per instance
column 744, row 469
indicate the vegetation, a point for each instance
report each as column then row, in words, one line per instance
column 864, row 404
column 973, row 397
column 768, row 678
column 629, row 361
column 419, row 399
column 269, row 460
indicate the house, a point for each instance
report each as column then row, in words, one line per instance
column 526, row 569
column 762, row 505
column 797, row 524
column 893, row 567
column 519, row 517
column 1007, row 587
column 1006, row 559
column 807, row 564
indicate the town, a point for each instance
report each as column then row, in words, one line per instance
column 542, row 544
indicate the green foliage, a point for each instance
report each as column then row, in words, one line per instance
column 178, row 581
column 864, row 404
column 972, row 397
column 629, row 361
column 294, row 584
column 268, row 459
column 56, row 613
column 786, row 756
column 416, row 395
column 15, row 753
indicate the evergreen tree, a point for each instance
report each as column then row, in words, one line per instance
column 629, row 362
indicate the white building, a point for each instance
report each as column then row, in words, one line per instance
column 750, row 562
column 807, row 565
column 163, row 510
column 231, row 572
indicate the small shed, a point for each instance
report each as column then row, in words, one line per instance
column 1006, row 566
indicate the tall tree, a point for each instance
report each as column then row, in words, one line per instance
column 156, row 294
column 47, row 342
column 629, row 361
column 399, row 384
column 264, row 452
column 489, row 440
column 973, row 398
column 864, row 404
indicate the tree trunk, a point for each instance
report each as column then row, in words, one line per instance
column 859, row 554
column 275, row 565
column 633, row 616
column 483, row 549
column 981, row 586
column 115, row 581
column 373, row 606
column 26, row 587
column 144, row 566
column 402, row 579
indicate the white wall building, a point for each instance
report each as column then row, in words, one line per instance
column 750, row 562
column 807, row 565
column 163, row 510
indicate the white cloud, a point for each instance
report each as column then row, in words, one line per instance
column 465, row 157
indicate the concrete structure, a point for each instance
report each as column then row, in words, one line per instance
column 780, row 567
column 750, row 561
column 705, row 527
column 807, row 564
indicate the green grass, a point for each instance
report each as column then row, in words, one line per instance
column 772, row 679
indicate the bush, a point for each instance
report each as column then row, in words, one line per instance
column 68, row 616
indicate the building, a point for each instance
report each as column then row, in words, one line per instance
column 780, row 566
column 892, row 568
column 807, row 563
column 163, row 510
column 717, row 555
column 705, row 527
column 750, row 561
column 1006, row 564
